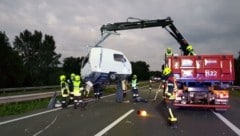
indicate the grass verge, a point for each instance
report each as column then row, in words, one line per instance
column 22, row 107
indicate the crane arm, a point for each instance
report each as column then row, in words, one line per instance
column 140, row 24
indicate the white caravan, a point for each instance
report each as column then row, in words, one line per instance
column 103, row 64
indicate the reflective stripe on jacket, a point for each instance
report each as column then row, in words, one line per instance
column 64, row 89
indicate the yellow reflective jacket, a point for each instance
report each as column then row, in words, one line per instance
column 134, row 84
column 64, row 89
column 76, row 88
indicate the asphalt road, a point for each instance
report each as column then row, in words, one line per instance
column 107, row 117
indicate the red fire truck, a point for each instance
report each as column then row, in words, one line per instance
column 203, row 80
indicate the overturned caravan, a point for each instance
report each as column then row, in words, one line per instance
column 102, row 65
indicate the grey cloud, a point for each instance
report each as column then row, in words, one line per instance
column 211, row 26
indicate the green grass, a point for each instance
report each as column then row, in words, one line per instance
column 109, row 90
column 22, row 107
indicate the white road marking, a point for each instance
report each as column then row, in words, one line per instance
column 39, row 132
column 40, row 113
column 29, row 116
column 114, row 123
column 228, row 123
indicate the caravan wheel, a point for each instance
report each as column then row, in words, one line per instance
column 112, row 76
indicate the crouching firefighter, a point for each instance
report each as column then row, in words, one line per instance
column 169, row 93
column 77, row 88
column 64, row 91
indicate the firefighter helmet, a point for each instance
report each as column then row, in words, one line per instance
column 62, row 78
column 77, row 78
column 189, row 48
column 169, row 50
column 72, row 76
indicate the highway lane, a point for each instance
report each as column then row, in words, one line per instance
column 100, row 114
column 233, row 113
column 195, row 122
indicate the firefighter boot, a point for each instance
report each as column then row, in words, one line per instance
column 172, row 119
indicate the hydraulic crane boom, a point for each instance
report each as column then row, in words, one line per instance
column 164, row 23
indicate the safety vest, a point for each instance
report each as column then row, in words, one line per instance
column 64, row 89
column 134, row 83
column 76, row 88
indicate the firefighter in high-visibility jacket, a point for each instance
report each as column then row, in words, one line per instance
column 168, row 53
column 169, row 92
column 134, row 85
column 170, row 83
column 70, row 84
column 190, row 50
column 124, row 87
column 77, row 91
column 64, row 90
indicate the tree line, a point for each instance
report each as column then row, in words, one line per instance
column 31, row 60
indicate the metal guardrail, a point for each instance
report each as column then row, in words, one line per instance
column 26, row 97
column 34, row 96
column 25, row 89
column 28, row 89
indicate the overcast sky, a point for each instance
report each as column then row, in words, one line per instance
column 211, row 26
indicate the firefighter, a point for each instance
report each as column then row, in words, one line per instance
column 124, row 87
column 98, row 90
column 170, row 83
column 70, row 83
column 88, row 87
column 134, row 85
column 168, row 53
column 64, row 90
column 136, row 97
column 169, row 92
column 77, row 88
column 190, row 50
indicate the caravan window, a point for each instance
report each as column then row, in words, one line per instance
column 119, row 57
